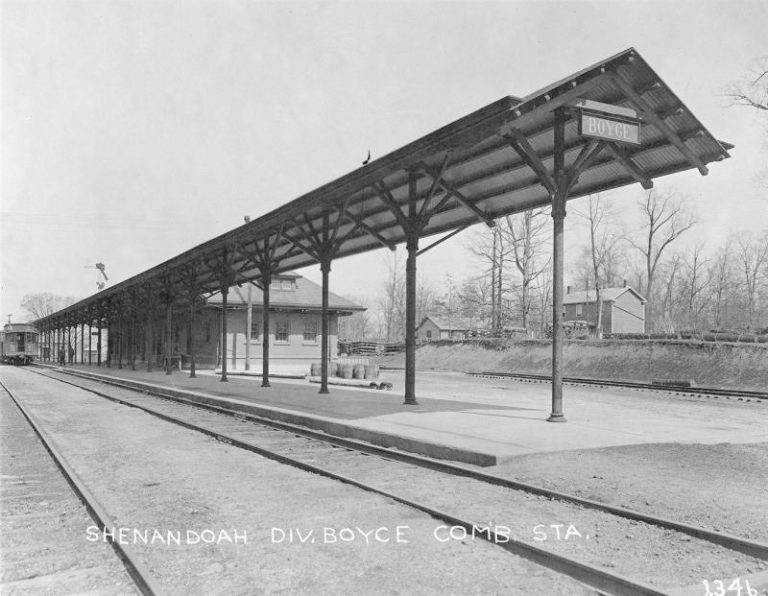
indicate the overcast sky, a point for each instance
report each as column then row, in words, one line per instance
column 133, row 131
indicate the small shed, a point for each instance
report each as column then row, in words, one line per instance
column 433, row 328
column 623, row 309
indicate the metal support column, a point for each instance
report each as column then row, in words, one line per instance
column 110, row 340
column 266, row 281
column 558, row 217
column 410, row 321
column 224, row 292
column 120, row 340
column 248, row 325
column 412, row 246
column 90, row 340
column 98, row 339
column 325, row 267
column 168, row 338
column 133, row 335
column 148, row 339
column 190, row 336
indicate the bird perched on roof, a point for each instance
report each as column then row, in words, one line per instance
column 367, row 159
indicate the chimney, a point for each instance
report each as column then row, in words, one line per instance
column 625, row 283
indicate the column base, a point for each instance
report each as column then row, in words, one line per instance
column 556, row 418
column 410, row 403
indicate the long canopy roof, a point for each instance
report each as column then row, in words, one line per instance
column 490, row 163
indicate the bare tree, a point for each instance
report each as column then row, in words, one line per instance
column 391, row 300
column 602, row 244
column 753, row 91
column 525, row 233
column 492, row 247
column 694, row 285
column 721, row 284
column 42, row 305
column 356, row 326
column 669, row 281
column 753, row 257
column 665, row 221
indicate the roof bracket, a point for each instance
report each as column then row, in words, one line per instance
column 620, row 155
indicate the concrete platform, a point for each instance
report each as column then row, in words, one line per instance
column 476, row 421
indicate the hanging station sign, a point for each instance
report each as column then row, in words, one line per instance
column 608, row 122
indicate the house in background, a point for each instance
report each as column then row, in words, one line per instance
column 433, row 328
column 623, row 309
column 295, row 325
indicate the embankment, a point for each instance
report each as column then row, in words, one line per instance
column 706, row 364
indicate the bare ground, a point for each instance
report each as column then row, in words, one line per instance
column 720, row 487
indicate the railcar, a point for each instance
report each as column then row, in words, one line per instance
column 19, row 344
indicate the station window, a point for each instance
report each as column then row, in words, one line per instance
column 282, row 332
column 255, row 331
column 286, row 284
column 579, row 310
column 310, row 332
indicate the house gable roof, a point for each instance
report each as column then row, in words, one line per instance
column 446, row 324
column 608, row 295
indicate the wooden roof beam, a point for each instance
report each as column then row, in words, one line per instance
column 466, row 202
column 647, row 113
column 364, row 226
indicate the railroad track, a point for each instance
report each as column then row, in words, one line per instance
column 136, row 571
column 401, row 477
column 671, row 387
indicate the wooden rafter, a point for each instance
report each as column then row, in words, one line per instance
column 358, row 221
column 466, row 202
column 647, row 113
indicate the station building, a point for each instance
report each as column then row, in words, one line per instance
column 295, row 323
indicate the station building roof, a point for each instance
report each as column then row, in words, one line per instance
column 469, row 171
column 302, row 295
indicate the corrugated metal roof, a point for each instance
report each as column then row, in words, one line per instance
column 483, row 178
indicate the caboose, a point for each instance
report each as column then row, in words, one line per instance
column 19, row 344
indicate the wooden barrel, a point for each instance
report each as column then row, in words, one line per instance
column 315, row 369
column 358, row 372
column 346, row 371
column 371, row 371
